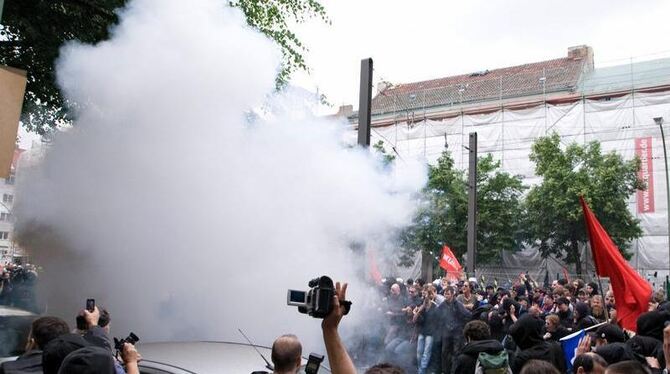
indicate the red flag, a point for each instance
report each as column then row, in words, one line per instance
column 631, row 291
column 449, row 263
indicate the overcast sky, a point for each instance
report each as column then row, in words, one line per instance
column 418, row 40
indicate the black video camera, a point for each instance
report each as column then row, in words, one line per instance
column 318, row 301
column 132, row 339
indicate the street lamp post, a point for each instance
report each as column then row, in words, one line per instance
column 659, row 122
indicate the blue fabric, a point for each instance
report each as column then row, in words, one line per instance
column 569, row 345
column 424, row 349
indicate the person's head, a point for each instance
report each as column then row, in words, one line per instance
column 89, row 360
column 609, row 298
column 523, row 301
column 58, row 348
column 413, row 291
column 562, row 282
column 467, row 288
column 395, row 289
column 538, row 367
column 286, row 354
column 597, row 304
column 490, row 290
column 45, row 329
column 589, row 363
column 609, row 333
column 582, row 296
column 627, row 367
column 476, row 330
column 592, row 288
column 449, row 294
column 385, row 369
column 552, row 322
column 578, row 284
column 581, row 310
column 430, row 291
column 104, row 320
column 563, row 304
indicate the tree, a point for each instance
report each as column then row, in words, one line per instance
column 555, row 221
column 33, row 31
column 442, row 215
column 386, row 158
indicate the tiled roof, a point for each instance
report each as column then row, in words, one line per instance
column 561, row 74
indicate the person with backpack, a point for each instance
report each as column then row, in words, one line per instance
column 481, row 353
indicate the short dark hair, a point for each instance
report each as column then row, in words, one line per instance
column 104, row 318
column 385, row 369
column 539, row 367
column 477, row 330
column 628, row 367
column 588, row 361
column 286, row 351
column 45, row 329
column 450, row 289
column 562, row 281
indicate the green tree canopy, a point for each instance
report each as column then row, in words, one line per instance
column 33, row 31
column 555, row 221
column 442, row 215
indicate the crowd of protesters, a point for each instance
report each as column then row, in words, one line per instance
column 462, row 327
column 17, row 286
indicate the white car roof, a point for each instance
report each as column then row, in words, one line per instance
column 203, row 357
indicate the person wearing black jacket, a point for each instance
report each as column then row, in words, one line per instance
column 427, row 320
column 43, row 330
column 478, row 339
column 527, row 334
column 453, row 317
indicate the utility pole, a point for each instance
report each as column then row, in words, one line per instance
column 472, row 206
column 364, row 103
column 659, row 122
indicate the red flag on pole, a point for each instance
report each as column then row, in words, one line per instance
column 631, row 291
column 450, row 264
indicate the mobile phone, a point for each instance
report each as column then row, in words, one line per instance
column 90, row 305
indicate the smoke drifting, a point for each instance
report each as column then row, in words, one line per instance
column 178, row 211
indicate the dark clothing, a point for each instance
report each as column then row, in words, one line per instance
column 451, row 346
column 428, row 322
column 467, row 359
column 453, row 317
column 585, row 322
column 652, row 323
column 566, row 319
column 89, row 360
column 645, row 346
column 614, row 352
column 527, row 333
column 558, row 334
column 30, row 362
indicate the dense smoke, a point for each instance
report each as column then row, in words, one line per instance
column 179, row 210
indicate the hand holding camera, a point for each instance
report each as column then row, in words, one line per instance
column 319, row 300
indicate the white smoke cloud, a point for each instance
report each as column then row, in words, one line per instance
column 174, row 210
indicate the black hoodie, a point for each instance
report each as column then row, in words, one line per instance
column 527, row 334
column 467, row 359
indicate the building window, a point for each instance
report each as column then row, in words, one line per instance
column 4, row 216
column 7, row 198
column 11, row 179
column 4, row 235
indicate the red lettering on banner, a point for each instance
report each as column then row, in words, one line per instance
column 645, row 199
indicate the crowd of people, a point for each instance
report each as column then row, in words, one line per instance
column 17, row 286
column 461, row 327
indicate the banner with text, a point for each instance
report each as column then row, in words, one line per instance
column 645, row 199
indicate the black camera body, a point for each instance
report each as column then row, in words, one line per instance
column 132, row 339
column 317, row 301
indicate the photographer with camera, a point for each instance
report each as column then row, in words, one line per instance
column 98, row 336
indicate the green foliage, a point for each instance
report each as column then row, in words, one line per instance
column 33, row 31
column 442, row 215
column 555, row 220
column 387, row 158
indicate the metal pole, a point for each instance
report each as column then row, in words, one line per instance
column 659, row 122
column 364, row 103
column 472, row 206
